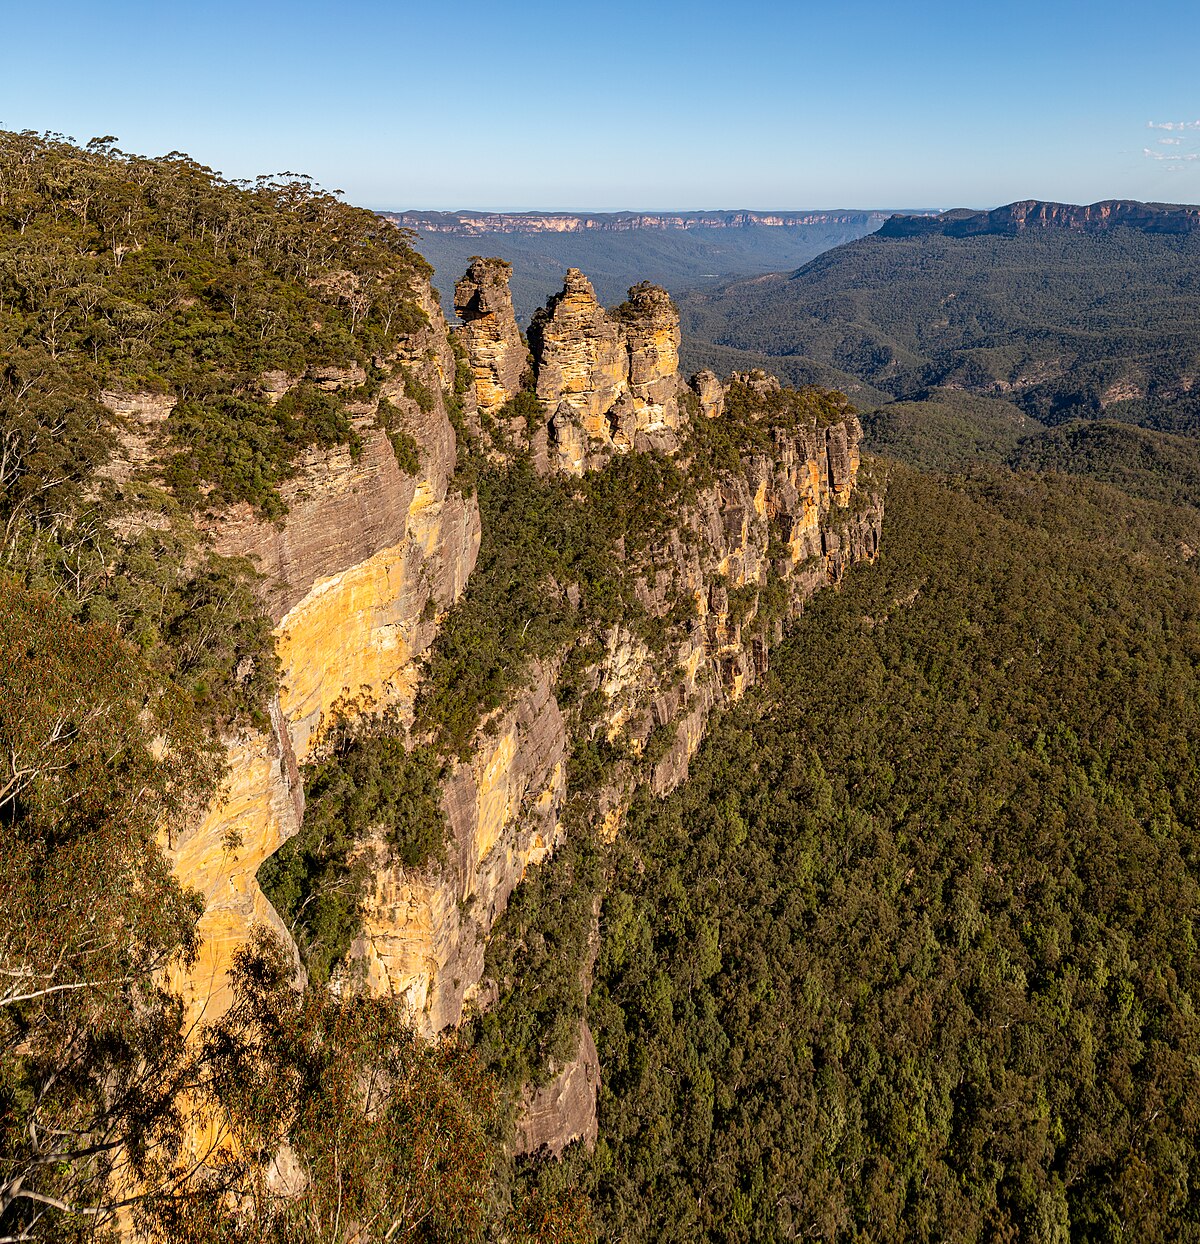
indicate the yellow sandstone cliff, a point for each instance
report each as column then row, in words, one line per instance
column 368, row 560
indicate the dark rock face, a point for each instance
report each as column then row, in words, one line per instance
column 565, row 1109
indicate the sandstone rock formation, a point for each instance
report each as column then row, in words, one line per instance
column 424, row 930
column 357, row 575
column 711, row 393
column 609, row 382
column 489, row 333
column 565, row 1109
column 651, row 327
column 368, row 560
column 582, row 369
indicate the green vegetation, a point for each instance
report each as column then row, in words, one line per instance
column 391, row 1133
column 541, row 537
column 949, row 430
column 543, row 937
column 960, row 432
column 1155, row 465
column 560, row 557
column 1064, row 324
column 131, row 274
column 365, row 783
column 236, row 449
column 911, row 954
column 416, row 390
column 90, row 913
column 404, row 444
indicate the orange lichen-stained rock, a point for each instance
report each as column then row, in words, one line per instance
column 259, row 808
column 356, row 576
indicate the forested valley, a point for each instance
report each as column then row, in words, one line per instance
column 912, row 954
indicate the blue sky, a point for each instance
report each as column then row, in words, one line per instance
column 619, row 105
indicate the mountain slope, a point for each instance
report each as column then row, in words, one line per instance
column 1067, row 319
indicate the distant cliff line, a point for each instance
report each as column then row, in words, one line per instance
column 1027, row 214
column 617, row 222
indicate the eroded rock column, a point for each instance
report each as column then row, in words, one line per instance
column 489, row 333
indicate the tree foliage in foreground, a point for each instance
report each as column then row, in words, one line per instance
column 90, row 917
column 377, row 1134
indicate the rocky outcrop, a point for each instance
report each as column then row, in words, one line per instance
column 357, row 575
column 139, row 419
column 582, row 369
column 369, row 558
column 784, row 520
column 711, row 393
column 259, row 809
column 489, row 333
column 424, row 930
column 748, row 552
column 563, row 1110
column 651, row 328
column 608, row 382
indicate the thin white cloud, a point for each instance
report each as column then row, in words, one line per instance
column 1173, row 125
column 1162, row 155
column 1170, row 142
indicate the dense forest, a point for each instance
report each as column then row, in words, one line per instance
column 911, row 955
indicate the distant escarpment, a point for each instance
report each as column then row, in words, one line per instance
column 677, row 250
column 618, row 222
column 1034, row 214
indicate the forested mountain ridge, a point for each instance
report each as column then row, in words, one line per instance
column 1031, row 214
column 286, row 561
column 1066, row 312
